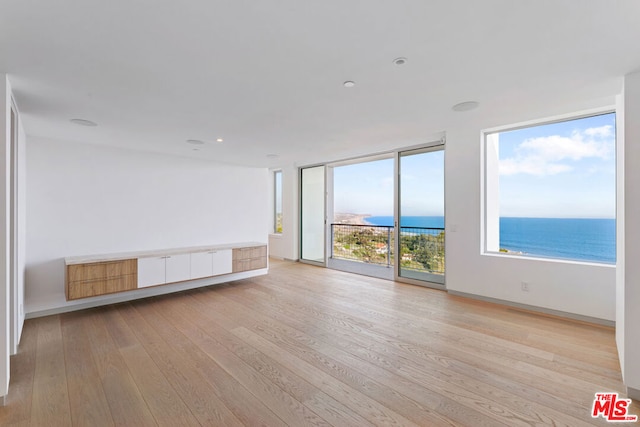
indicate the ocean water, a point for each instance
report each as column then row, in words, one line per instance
column 565, row 238
column 408, row 221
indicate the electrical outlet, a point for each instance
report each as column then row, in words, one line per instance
column 524, row 286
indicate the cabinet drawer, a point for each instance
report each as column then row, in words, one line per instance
column 257, row 263
column 258, row 251
column 100, row 270
column 84, row 272
column 122, row 268
column 240, row 265
column 251, row 252
column 249, row 264
column 96, row 287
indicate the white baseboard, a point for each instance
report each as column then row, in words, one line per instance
column 573, row 316
column 141, row 293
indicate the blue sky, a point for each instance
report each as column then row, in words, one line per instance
column 367, row 188
column 364, row 188
column 560, row 170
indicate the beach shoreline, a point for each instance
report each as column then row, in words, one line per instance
column 349, row 218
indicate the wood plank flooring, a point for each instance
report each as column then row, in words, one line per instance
column 309, row 346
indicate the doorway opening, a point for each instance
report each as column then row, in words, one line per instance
column 382, row 216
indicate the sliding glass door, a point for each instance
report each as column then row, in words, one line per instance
column 349, row 221
column 420, row 217
column 312, row 214
column 360, row 228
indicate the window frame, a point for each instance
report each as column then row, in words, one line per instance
column 277, row 173
column 486, row 237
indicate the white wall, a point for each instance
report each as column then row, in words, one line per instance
column 85, row 199
column 629, row 279
column 581, row 289
column 22, row 226
column 620, row 228
column 5, row 323
column 18, row 291
column 12, row 253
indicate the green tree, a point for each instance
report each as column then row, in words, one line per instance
column 365, row 240
column 426, row 250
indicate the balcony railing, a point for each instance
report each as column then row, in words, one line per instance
column 366, row 243
column 421, row 248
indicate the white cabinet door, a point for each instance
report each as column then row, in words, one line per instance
column 222, row 262
column 151, row 271
column 201, row 265
column 178, row 268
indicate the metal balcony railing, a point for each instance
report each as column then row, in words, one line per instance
column 421, row 248
column 366, row 243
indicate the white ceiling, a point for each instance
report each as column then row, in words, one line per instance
column 267, row 75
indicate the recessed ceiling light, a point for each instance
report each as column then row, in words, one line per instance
column 195, row 149
column 83, row 122
column 219, row 140
column 272, row 156
column 400, row 61
column 195, row 142
column 349, row 83
column 465, row 106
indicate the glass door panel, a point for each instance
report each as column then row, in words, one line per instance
column 361, row 230
column 312, row 214
column 421, row 215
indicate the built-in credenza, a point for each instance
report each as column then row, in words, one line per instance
column 107, row 274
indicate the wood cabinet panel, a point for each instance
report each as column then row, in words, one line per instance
column 240, row 265
column 85, row 289
column 256, row 263
column 84, row 272
column 92, row 279
column 121, row 268
column 258, row 252
column 241, row 253
column 251, row 258
column 100, row 270
column 102, row 287
column 249, row 264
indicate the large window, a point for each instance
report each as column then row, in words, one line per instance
column 550, row 190
column 277, row 202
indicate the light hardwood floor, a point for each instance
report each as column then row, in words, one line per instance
column 309, row 346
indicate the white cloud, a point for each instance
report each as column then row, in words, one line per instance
column 532, row 166
column 551, row 155
column 602, row 131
